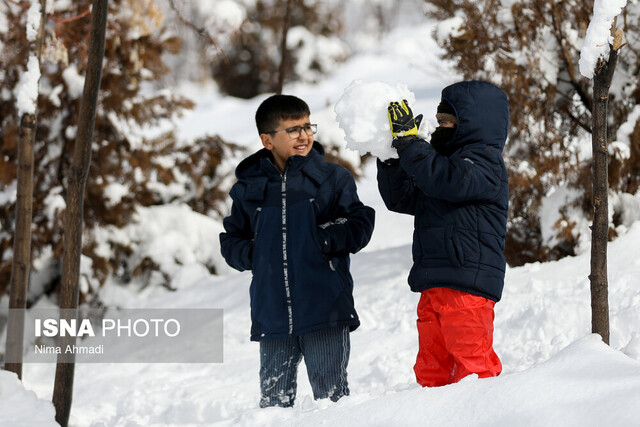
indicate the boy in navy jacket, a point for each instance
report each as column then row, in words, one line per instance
column 293, row 222
column 456, row 188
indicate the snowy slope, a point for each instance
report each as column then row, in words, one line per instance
column 555, row 371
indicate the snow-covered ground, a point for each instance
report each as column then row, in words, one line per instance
column 555, row 371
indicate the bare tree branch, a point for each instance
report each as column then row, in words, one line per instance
column 201, row 31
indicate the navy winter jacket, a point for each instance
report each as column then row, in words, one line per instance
column 459, row 198
column 294, row 230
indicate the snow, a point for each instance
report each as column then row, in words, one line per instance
column 555, row 371
column 4, row 24
column 74, row 81
column 226, row 14
column 507, row 401
column 551, row 218
column 315, row 52
column 629, row 206
column 452, row 27
column 27, row 89
column 114, row 192
column 58, row 5
column 20, row 407
column 54, row 202
column 362, row 114
column 626, row 129
column 34, row 15
column 598, row 39
column 11, row 194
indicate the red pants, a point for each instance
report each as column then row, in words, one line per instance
column 455, row 332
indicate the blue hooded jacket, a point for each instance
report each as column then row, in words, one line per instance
column 294, row 230
column 459, row 198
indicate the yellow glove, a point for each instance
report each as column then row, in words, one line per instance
column 401, row 119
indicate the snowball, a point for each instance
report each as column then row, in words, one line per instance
column 598, row 37
column 362, row 113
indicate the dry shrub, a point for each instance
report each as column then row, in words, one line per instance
column 122, row 156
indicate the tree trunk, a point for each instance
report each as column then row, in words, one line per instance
column 21, row 263
column 283, row 47
column 600, row 228
column 63, row 387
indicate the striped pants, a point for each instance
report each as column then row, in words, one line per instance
column 326, row 355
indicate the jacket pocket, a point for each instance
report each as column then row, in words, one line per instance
column 256, row 222
column 454, row 246
column 315, row 233
column 431, row 241
column 314, row 224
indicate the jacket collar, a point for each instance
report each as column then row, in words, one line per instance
column 261, row 163
column 314, row 167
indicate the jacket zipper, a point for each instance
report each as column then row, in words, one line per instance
column 285, row 264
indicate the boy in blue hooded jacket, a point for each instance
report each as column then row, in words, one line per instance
column 293, row 222
column 456, row 187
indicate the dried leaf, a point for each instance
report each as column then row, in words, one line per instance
column 617, row 39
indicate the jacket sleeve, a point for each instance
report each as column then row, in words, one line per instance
column 470, row 174
column 352, row 226
column 236, row 243
column 396, row 188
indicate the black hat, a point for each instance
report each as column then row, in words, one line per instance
column 446, row 112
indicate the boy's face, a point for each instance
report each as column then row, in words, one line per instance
column 446, row 124
column 282, row 146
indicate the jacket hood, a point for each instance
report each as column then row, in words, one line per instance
column 482, row 110
column 252, row 165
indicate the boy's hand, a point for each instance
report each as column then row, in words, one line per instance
column 401, row 144
column 401, row 119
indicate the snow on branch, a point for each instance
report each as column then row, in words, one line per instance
column 33, row 20
column 598, row 39
column 27, row 89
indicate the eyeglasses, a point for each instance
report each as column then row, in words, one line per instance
column 296, row 132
